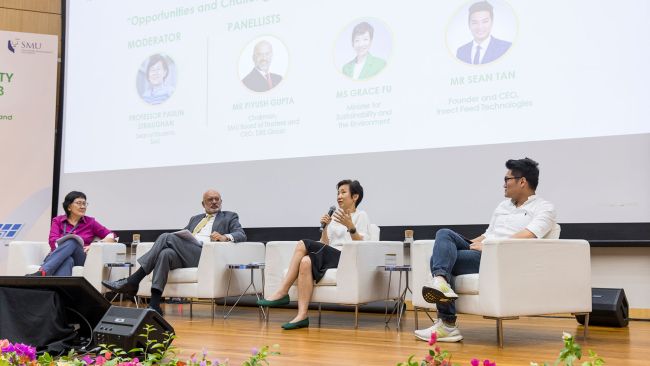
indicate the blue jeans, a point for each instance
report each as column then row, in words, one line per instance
column 452, row 257
column 67, row 255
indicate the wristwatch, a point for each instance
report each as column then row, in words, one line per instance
column 352, row 231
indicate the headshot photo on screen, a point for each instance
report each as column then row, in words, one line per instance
column 363, row 48
column 156, row 80
column 490, row 27
column 263, row 64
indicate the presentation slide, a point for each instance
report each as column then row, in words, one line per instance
column 273, row 102
column 198, row 82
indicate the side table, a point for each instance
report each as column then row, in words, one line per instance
column 398, row 308
column 128, row 265
column 252, row 267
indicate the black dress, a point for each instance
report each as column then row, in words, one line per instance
column 322, row 257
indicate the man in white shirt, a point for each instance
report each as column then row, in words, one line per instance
column 171, row 251
column 523, row 215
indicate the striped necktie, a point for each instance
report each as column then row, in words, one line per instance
column 202, row 223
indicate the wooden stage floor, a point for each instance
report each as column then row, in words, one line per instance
column 336, row 342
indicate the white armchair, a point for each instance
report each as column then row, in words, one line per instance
column 518, row 277
column 356, row 281
column 210, row 279
column 27, row 256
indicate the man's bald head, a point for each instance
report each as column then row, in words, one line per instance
column 263, row 55
column 211, row 201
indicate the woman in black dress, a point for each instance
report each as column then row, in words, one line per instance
column 311, row 259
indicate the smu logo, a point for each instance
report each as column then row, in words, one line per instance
column 24, row 46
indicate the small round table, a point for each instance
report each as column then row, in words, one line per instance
column 252, row 267
column 398, row 308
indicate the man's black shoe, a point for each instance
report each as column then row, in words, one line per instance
column 121, row 287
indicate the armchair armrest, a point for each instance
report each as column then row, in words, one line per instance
column 99, row 254
column 359, row 279
column 213, row 269
column 421, row 251
column 23, row 254
column 277, row 258
column 534, row 276
column 140, row 250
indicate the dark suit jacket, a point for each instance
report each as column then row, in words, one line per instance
column 225, row 222
column 495, row 50
column 256, row 82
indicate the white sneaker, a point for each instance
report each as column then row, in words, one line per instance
column 439, row 291
column 444, row 333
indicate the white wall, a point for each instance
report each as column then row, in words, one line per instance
column 627, row 268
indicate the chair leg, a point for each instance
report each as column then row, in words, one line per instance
column 319, row 313
column 500, row 327
column 191, row 301
column 415, row 313
column 356, row 316
column 500, row 332
column 585, row 329
column 213, row 309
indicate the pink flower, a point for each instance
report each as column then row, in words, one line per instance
column 4, row 343
column 488, row 363
column 437, row 350
column 474, row 362
column 434, row 337
column 429, row 358
column 87, row 359
column 100, row 360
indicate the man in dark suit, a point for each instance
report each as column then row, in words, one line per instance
column 483, row 48
column 171, row 251
column 260, row 79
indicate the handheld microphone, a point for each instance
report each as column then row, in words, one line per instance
column 329, row 213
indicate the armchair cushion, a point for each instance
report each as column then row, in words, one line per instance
column 466, row 284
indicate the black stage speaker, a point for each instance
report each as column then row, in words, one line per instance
column 609, row 308
column 63, row 302
column 122, row 327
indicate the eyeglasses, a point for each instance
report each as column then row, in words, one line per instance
column 506, row 179
column 81, row 203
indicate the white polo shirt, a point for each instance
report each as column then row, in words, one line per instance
column 536, row 214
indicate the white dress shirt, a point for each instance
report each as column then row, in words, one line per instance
column 536, row 215
column 204, row 234
column 338, row 234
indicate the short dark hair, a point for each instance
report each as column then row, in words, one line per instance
column 481, row 6
column 355, row 188
column 69, row 199
column 362, row 28
column 526, row 168
column 154, row 59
